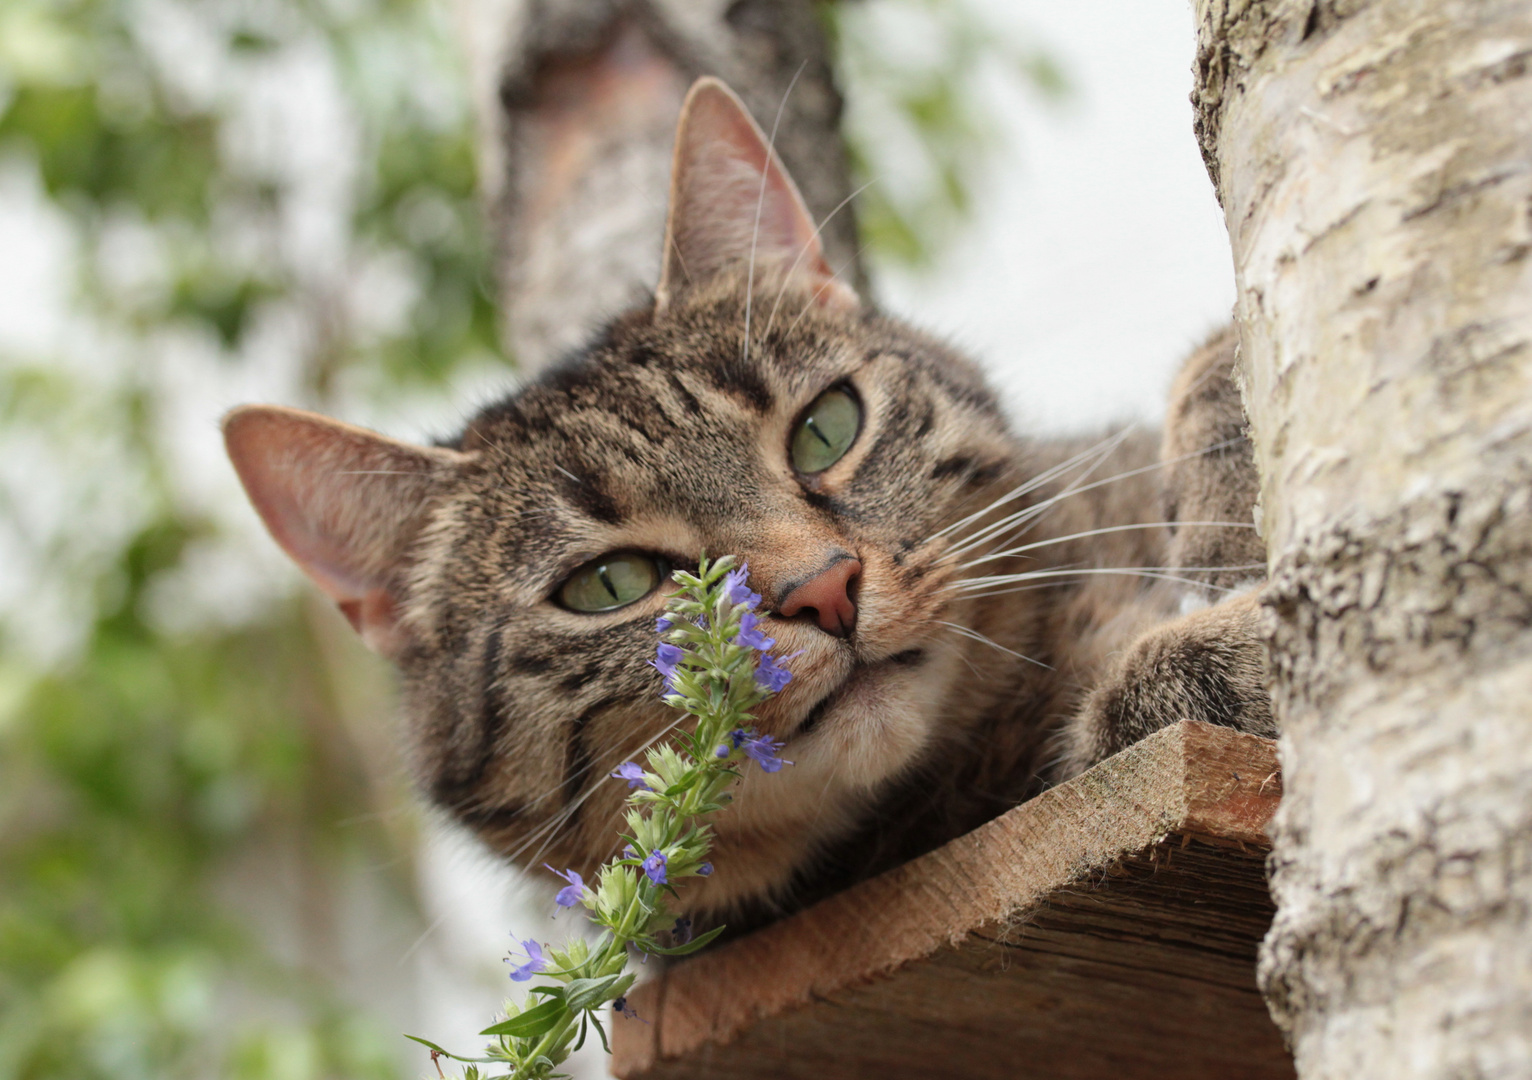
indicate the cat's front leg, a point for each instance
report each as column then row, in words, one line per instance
column 1209, row 665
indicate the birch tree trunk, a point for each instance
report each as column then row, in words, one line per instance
column 1374, row 162
column 577, row 103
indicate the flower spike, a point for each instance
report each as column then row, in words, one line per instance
column 713, row 657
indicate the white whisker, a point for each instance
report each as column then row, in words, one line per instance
column 760, row 203
column 804, row 250
column 421, row 940
column 1059, row 583
column 1037, row 509
column 976, row 636
column 1012, row 552
column 1106, row 445
column 1155, row 572
column 546, row 830
column 820, row 291
column 1028, row 514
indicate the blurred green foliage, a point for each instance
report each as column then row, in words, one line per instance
column 149, row 768
column 84, row 93
column 131, row 779
column 150, row 771
column 922, row 124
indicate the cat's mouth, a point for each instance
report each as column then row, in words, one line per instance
column 858, row 676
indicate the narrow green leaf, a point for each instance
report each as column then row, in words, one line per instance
column 431, row 1045
column 536, row 1021
column 447, row 1053
column 690, row 947
column 602, row 1032
column 584, row 993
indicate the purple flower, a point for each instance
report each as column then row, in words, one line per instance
column 570, row 894
column 705, row 870
column 762, row 749
column 628, row 852
column 633, row 773
column 736, row 591
column 736, row 739
column 681, row 932
column 620, row 1007
column 771, row 674
column 749, row 636
column 665, row 661
column 536, row 962
column 654, row 866
column 662, row 624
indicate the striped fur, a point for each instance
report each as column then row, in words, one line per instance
column 660, row 437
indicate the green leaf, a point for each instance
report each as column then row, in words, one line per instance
column 430, row 1045
column 584, row 993
column 446, row 1053
column 690, row 947
column 536, row 1021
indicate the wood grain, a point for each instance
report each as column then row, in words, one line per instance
column 1106, row 928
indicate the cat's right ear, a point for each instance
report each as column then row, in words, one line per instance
column 344, row 502
column 731, row 201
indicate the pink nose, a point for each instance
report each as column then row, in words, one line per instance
column 828, row 596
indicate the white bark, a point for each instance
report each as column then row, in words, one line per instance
column 1374, row 161
column 577, row 103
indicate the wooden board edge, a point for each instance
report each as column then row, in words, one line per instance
column 1190, row 777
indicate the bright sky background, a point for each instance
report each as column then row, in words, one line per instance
column 1099, row 256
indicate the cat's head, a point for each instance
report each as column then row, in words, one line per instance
column 515, row 573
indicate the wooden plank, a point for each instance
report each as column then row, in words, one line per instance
column 1107, row 928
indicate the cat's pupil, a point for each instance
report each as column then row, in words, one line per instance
column 827, row 430
column 612, row 581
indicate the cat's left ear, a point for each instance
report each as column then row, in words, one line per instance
column 731, row 200
column 344, row 502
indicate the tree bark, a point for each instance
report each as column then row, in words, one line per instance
column 577, row 102
column 1374, row 163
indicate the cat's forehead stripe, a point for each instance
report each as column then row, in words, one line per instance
column 664, row 422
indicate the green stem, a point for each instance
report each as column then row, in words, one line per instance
column 549, row 1043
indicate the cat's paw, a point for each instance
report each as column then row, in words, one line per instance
column 1209, row 666
column 1210, row 474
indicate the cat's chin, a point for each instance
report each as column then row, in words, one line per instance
column 856, row 738
column 860, row 677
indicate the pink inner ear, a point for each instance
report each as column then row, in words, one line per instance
column 345, row 503
column 720, row 211
column 305, row 480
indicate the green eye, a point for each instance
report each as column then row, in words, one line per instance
column 826, row 431
column 612, row 581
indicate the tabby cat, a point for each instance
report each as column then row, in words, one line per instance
column 978, row 614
